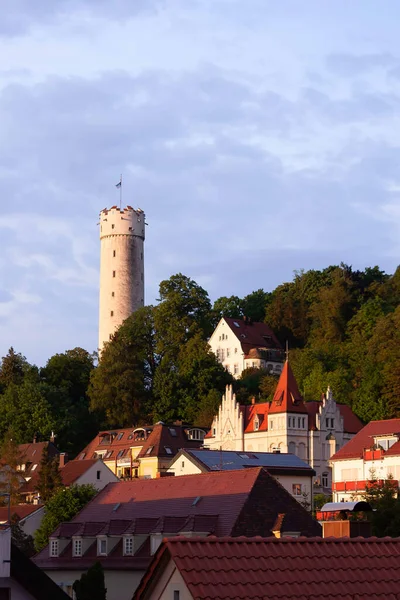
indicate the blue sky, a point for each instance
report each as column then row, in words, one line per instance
column 259, row 137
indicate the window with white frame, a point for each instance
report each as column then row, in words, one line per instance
column 256, row 424
column 235, row 369
column 128, row 546
column 325, row 480
column 77, row 547
column 102, row 546
column 296, row 489
column 53, row 548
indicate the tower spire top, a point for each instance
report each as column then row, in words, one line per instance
column 287, row 397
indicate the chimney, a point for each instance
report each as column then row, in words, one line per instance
column 253, row 400
column 63, row 459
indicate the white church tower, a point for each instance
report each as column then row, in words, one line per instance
column 121, row 267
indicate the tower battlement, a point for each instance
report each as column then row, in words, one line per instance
column 125, row 221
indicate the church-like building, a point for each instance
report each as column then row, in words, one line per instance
column 313, row 431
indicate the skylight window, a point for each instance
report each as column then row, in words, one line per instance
column 120, row 436
column 168, row 450
column 173, row 432
column 236, row 324
column 33, row 467
column 121, row 453
column 149, row 450
column 196, row 501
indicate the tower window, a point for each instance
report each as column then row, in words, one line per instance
column 112, row 226
column 141, row 255
column 113, row 294
column 113, row 273
column 114, row 253
column 112, row 313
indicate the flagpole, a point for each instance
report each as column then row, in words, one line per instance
column 120, row 192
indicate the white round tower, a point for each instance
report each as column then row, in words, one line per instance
column 121, row 267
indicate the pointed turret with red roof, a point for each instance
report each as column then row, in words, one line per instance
column 287, row 398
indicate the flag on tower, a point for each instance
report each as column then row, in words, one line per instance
column 118, row 185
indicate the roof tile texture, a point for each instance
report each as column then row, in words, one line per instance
column 281, row 569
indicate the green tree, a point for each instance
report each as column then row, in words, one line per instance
column 121, row 386
column 227, row 307
column 91, row 585
column 25, row 409
column 67, row 379
column 49, row 481
column 184, row 310
column 13, row 368
column 180, row 391
column 63, row 506
column 20, row 539
column 254, row 305
column 383, row 498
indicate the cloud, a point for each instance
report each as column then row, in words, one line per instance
column 351, row 65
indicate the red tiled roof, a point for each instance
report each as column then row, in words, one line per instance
column 365, row 439
column 281, row 569
column 287, row 397
column 75, row 469
column 351, row 423
column 250, row 412
column 20, row 510
column 253, row 334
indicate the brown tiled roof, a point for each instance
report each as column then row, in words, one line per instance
column 31, row 455
column 245, row 502
column 253, row 335
column 287, row 397
column 163, row 437
column 113, row 440
column 20, row 510
column 365, row 439
column 281, row 569
column 75, row 469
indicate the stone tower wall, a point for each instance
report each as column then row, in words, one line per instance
column 122, row 234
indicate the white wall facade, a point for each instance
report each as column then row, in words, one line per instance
column 120, row 584
column 98, row 475
column 287, row 432
column 122, row 234
column 352, row 474
column 170, row 581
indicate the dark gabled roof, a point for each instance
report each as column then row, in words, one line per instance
column 253, row 334
column 364, row 439
column 280, row 569
column 244, row 502
column 33, row 579
column 230, row 460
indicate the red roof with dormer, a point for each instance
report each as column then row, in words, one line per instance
column 252, row 334
column 287, row 398
column 364, row 439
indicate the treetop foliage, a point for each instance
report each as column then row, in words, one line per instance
column 342, row 326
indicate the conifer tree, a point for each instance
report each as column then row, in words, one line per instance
column 50, row 479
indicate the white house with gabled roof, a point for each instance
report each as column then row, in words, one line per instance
column 240, row 344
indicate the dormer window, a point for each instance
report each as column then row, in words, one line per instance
column 128, row 546
column 77, row 547
column 53, row 548
column 102, row 546
column 386, row 442
column 256, row 424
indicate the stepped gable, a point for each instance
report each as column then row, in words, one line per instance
column 280, row 569
column 287, row 397
column 351, row 423
column 364, row 439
